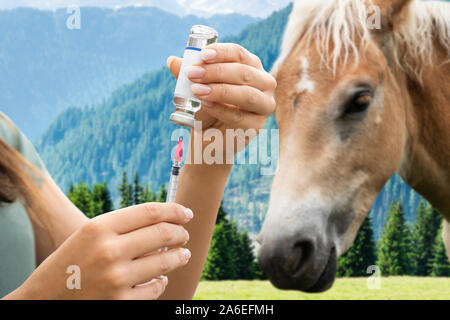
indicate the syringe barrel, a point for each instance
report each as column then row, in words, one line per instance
column 172, row 189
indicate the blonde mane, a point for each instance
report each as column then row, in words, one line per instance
column 344, row 23
column 425, row 22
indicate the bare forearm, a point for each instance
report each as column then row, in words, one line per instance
column 200, row 189
column 63, row 218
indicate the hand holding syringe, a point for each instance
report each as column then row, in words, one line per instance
column 185, row 102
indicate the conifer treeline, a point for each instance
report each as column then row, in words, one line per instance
column 98, row 200
column 402, row 249
column 137, row 193
column 91, row 202
column 231, row 254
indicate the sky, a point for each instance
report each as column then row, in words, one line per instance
column 205, row 8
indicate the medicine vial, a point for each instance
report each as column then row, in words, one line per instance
column 186, row 104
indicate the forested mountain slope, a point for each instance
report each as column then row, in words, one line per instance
column 46, row 67
column 130, row 131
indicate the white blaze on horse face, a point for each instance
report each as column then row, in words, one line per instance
column 305, row 84
column 378, row 101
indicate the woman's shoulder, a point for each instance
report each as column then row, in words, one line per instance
column 17, row 140
column 8, row 131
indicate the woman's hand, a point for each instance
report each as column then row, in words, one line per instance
column 117, row 256
column 236, row 92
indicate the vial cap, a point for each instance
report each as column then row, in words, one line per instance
column 201, row 36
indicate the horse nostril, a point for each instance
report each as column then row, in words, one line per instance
column 298, row 257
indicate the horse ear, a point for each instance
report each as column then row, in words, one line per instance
column 390, row 10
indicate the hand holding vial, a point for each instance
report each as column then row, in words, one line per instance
column 234, row 89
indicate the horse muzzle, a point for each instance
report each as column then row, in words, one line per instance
column 298, row 261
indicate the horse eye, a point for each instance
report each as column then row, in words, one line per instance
column 359, row 103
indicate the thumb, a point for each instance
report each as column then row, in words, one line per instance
column 174, row 65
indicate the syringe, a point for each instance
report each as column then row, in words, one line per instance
column 173, row 183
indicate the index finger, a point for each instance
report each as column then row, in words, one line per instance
column 229, row 52
column 143, row 215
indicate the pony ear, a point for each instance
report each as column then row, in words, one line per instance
column 390, row 10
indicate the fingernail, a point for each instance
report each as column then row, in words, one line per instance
column 189, row 213
column 207, row 104
column 187, row 254
column 194, row 72
column 187, row 235
column 208, row 54
column 200, row 89
column 163, row 278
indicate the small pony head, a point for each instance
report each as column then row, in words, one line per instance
column 341, row 114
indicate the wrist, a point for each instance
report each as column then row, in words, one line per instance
column 211, row 154
column 207, row 170
column 21, row 293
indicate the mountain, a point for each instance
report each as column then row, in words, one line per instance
column 204, row 8
column 130, row 131
column 255, row 8
column 46, row 67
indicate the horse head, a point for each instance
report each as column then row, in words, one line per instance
column 342, row 135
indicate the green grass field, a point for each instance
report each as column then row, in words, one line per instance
column 392, row 288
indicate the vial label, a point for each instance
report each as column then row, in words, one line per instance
column 183, row 88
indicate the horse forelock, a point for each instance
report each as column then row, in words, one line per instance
column 324, row 22
column 344, row 23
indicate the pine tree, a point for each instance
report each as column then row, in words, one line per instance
column 440, row 266
column 148, row 195
column 97, row 201
column 231, row 227
column 81, row 197
column 71, row 190
column 408, row 243
column 219, row 263
column 108, row 205
column 130, row 195
column 102, row 199
column 138, row 193
column 124, row 190
column 162, row 194
column 361, row 255
column 393, row 244
column 245, row 261
column 426, row 227
column 231, row 253
column 221, row 214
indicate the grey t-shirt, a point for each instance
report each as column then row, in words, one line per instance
column 17, row 245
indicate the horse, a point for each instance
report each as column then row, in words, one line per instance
column 355, row 104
